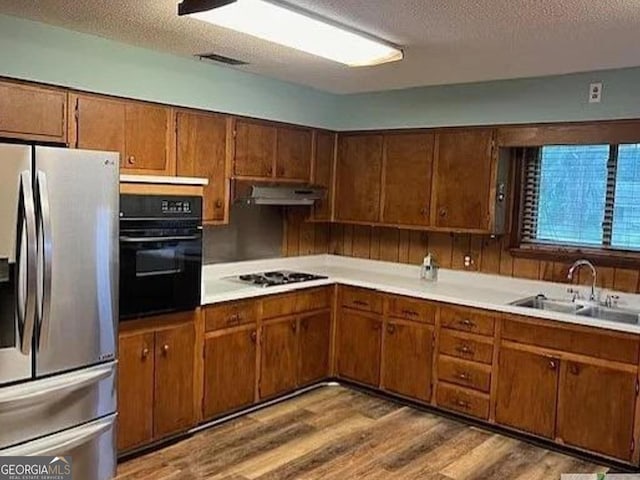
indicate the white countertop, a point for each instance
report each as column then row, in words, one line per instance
column 164, row 180
column 490, row 292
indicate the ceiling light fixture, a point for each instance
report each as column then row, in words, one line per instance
column 302, row 31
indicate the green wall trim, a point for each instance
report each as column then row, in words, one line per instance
column 44, row 53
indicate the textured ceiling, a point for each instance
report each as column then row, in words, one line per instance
column 445, row 41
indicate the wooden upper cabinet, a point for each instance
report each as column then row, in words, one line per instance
column 255, row 149
column 596, row 406
column 325, row 146
column 313, row 346
column 135, row 390
column 358, row 346
column 293, row 154
column 359, row 170
column 406, row 179
column 527, row 391
column 142, row 133
column 174, row 352
column 202, row 152
column 34, row 113
column 464, row 171
column 407, row 359
column 229, row 371
column 279, row 357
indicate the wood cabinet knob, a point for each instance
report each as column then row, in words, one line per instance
column 270, row 170
column 294, row 326
column 466, row 323
column 145, row 353
column 253, row 336
column 391, row 329
column 442, row 212
column 423, row 212
column 131, row 160
column 219, row 204
column 553, row 364
column 465, row 349
column 165, row 349
column 574, row 369
column 464, row 376
column 462, row 403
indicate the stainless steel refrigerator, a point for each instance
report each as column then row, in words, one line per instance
column 59, row 305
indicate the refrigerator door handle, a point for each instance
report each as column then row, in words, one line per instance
column 61, row 443
column 32, row 394
column 26, row 231
column 45, row 236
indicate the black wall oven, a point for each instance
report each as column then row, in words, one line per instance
column 160, row 254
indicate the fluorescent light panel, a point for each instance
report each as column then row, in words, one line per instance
column 277, row 24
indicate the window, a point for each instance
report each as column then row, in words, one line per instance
column 582, row 195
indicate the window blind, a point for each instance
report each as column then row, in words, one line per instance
column 583, row 195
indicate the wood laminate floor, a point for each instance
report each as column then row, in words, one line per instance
column 338, row 433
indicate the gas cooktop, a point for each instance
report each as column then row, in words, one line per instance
column 275, row 278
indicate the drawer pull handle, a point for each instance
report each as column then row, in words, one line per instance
column 411, row 313
column 462, row 403
column 233, row 319
column 165, row 349
column 361, row 303
column 552, row 364
column 466, row 323
column 465, row 349
column 131, row 160
column 253, row 336
column 464, row 376
column 145, row 353
column 294, row 326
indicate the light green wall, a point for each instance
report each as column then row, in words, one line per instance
column 544, row 99
column 39, row 52
column 36, row 51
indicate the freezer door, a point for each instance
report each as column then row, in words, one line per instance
column 90, row 446
column 17, row 280
column 42, row 407
column 77, row 199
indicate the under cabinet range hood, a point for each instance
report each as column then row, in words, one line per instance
column 277, row 194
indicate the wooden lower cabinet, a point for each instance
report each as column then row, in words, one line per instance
column 527, row 391
column 155, row 381
column 407, row 362
column 230, row 371
column 314, row 339
column 359, row 346
column 173, row 403
column 596, row 406
column 135, row 390
column 278, row 372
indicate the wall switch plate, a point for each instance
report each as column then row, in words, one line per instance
column 595, row 92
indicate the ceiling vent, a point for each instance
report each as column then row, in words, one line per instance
column 214, row 57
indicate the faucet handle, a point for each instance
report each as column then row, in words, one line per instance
column 612, row 301
column 575, row 294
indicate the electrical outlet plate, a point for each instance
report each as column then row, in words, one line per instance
column 595, row 92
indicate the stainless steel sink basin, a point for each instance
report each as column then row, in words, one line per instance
column 613, row 314
column 542, row 303
column 582, row 309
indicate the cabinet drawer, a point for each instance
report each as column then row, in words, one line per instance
column 411, row 309
column 593, row 342
column 469, row 347
column 465, row 373
column 231, row 314
column 463, row 400
column 467, row 320
column 361, row 299
column 296, row 302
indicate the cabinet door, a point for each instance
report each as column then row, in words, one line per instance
column 33, row 113
column 100, row 125
column 279, row 357
column 229, row 371
column 359, row 176
column 359, row 341
column 255, row 150
column 462, row 179
column 135, row 390
column 323, row 172
column 174, row 352
column 527, row 391
column 596, row 407
column 407, row 364
column 407, row 178
column 146, row 139
column 293, row 154
column 314, row 340
column 202, row 151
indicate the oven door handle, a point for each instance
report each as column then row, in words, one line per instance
column 158, row 239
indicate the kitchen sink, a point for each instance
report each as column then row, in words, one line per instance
column 613, row 314
column 541, row 302
column 582, row 309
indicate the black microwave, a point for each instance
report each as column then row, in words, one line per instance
column 160, row 254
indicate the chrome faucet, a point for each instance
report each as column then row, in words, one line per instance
column 582, row 263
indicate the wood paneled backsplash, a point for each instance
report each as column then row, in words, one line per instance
column 488, row 255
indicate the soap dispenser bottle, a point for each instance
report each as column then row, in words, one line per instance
column 429, row 269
